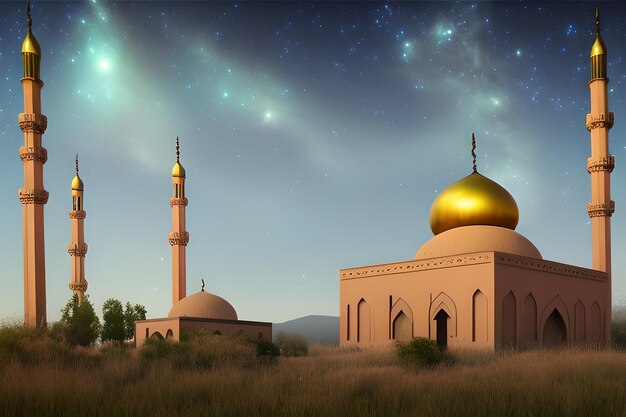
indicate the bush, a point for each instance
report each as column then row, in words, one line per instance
column 292, row 344
column 79, row 324
column 266, row 350
column 421, row 351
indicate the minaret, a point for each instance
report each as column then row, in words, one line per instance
column 78, row 248
column 178, row 237
column 599, row 166
column 33, row 196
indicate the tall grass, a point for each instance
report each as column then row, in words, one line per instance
column 219, row 377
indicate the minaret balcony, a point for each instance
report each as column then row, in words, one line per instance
column 594, row 121
column 601, row 209
column 77, row 249
column 79, row 286
column 33, row 122
column 601, row 164
column 33, row 153
column 177, row 238
column 77, row 214
column 32, row 196
column 178, row 202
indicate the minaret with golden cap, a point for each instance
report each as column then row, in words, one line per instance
column 600, row 165
column 78, row 248
column 179, row 236
column 33, row 196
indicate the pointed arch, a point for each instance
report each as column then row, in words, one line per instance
column 169, row 335
column 157, row 336
column 509, row 320
column 401, row 319
column 595, row 324
column 363, row 325
column 554, row 331
column 555, row 304
column 479, row 317
column 580, row 334
column 529, row 321
column 443, row 303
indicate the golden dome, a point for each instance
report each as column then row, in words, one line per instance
column 178, row 170
column 203, row 305
column 473, row 200
column 598, row 47
column 77, row 184
column 30, row 44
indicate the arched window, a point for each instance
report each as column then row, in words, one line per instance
column 169, row 335
column 402, row 328
column 529, row 320
column 479, row 317
column 579, row 323
column 363, row 322
column 509, row 320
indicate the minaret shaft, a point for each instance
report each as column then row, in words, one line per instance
column 33, row 197
column 179, row 236
column 601, row 207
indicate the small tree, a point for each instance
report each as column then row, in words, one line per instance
column 113, row 321
column 79, row 324
column 131, row 315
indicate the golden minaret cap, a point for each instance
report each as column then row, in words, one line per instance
column 31, row 51
column 472, row 201
column 178, row 170
column 598, row 53
column 77, row 183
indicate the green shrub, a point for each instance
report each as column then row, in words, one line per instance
column 79, row 324
column 266, row 350
column 292, row 344
column 421, row 351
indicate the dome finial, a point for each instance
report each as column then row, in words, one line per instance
column 177, row 150
column 202, row 285
column 474, row 151
column 76, row 164
column 597, row 20
column 30, row 18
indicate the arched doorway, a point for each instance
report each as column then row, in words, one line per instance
column 442, row 329
column 554, row 331
column 402, row 328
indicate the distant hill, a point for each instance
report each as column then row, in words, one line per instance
column 317, row 329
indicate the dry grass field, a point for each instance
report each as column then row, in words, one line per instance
column 215, row 376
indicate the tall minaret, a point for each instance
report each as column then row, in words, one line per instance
column 78, row 248
column 599, row 166
column 33, row 196
column 178, row 237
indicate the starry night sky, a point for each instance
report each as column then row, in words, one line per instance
column 315, row 137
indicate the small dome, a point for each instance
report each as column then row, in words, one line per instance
column 178, row 170
column 598, row 47
column 30, row 44
column 473, row 200
column 471, row 239
column 204, row 305
column 77, row 184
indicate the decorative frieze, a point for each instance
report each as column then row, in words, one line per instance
column 178, row 202
column 77, row 249
column 594, row 121
column 177, row 238
column 417, row 265
column 33, row 153
column 601, row 164
column 77, row 214
column 549, row 266
column 601, row 209
column 33, row 122
column 32, row 196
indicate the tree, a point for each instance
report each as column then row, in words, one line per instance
column 131, row 315
column 113, row 321
column 79, row 324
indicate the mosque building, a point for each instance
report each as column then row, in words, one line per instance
column 477, row 282
column 201, row 310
